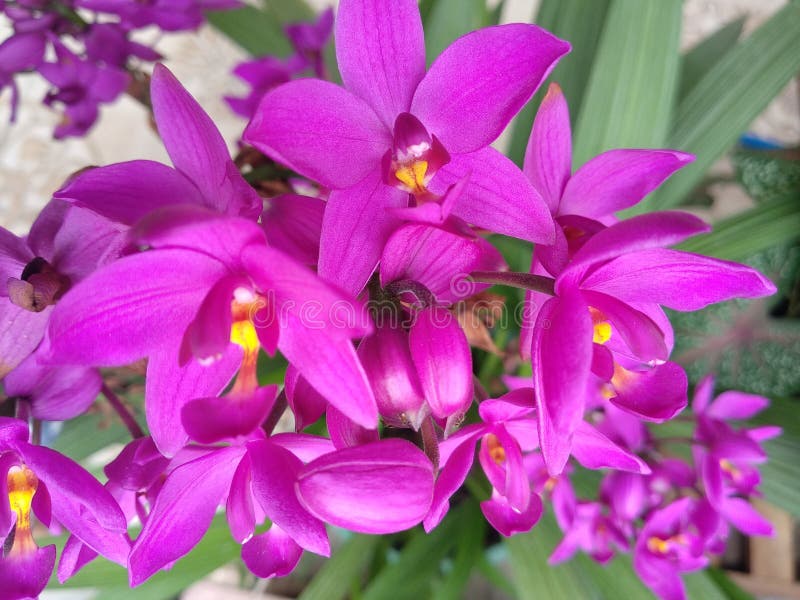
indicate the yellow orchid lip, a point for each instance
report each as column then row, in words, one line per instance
column 22, row 484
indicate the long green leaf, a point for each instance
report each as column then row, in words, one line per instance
column 468, row 552
column 255, row 30
column 634, row 79
column 580, row 22
column 781, row 472
column 288, row 11
column 701, row 58
column 768, row 224
column 337, row 575
column 710, row 119
column 450, row 19
column 411, row 575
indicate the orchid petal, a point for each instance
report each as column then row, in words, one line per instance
column 26, row 575
column 507, row 520
column 657, row 394
column 210, row 420
column 293, row 224
column 618, row 179
column 271, row 554
column 383, row 487
column 307, row 404
column 745, row 518
column 21, row 330
column 452, row 475
column 477, row 85
column 239, row 508
column 548, row 157
column 344, row 433
column 355, row 228
column 593, row 450
column 321, row 131
column 733, row 405
column 380, row 50
column 498, row 196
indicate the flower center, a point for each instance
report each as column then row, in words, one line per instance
column 38, row 287
column 601, row 327
column 730, row 468
column 22, row 484
column 495, row 448
column 244, row 306
column 662, row 546
column 415, row 156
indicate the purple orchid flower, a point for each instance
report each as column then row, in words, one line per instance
column 309, row 40
column 262, row 74
column 670, row 543
column 108, row 43
column 200, row 304
column 169, row 15
column 20, row 52
column 81, row 86
column 395, row 127
column 40, row 481
column 204, row 174
column 605, row 320
column 293, row 224
column 64, row 245
column 298, row 482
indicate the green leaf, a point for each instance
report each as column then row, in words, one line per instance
column 288, row 11
column 255, row 30
column 630, row 94
column 335, row 579
column 468, row 551
column 450, row 19
column 83, row 436
column 579, row 22
column 727, row 99
column 764, row 226
column 111, row 581
column 781, row 472
column 702, row 57
column 411, row 575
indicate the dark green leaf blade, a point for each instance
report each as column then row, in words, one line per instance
column 701, row 58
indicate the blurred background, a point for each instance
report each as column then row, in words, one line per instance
column 647, row 73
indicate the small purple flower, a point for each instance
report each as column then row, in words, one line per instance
column 309, row 40
column 169, row 15
column 38, row 481
column 20, row 52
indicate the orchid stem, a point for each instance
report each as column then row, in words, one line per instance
column 123, row 412
column 276, row 413
column 525, row 281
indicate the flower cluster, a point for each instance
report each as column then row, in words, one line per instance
column 362, row 288
column 83, row 49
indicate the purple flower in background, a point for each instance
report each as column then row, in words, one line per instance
column 64, row 245
column 262, row 74
column 20, row 52
column 395, row 126
column 309, row 40
column 108, row 43
column 169, row 15
column 38, row 481
column 80, row 87
column 203, row 175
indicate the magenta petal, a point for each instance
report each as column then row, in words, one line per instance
column 25, row 575
column 657, row 394
column 20, row 332
column 677, row 280
column 306, row 403
column 271, row 554
column 74, row 557
column 68, row 481
column 745, row 518
column 477, row 85
column 734, row 405
column 653, row 230
column 382, row 487
column 562, row 355
column 509, row 521
column 451, row 477
column 438, row 259
column 548, row 158
column 304, row 446
column 355, row 228
column 182, row 512
column 131, row 307
column 441, row 355
column 239, row 508
column 387, row 362
column 345, row 433
column 7, row 516
column 380, row 50
column 618, row 179
column 329, row 363
column 209, row 333
column 293, row 225
column 127, row 191
column 169, row 386
column 275, row 477
column 498, row 196
column 210, row 420
column 197, row 149
column 13, row 430
column 321, row 131
column 593, row 450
